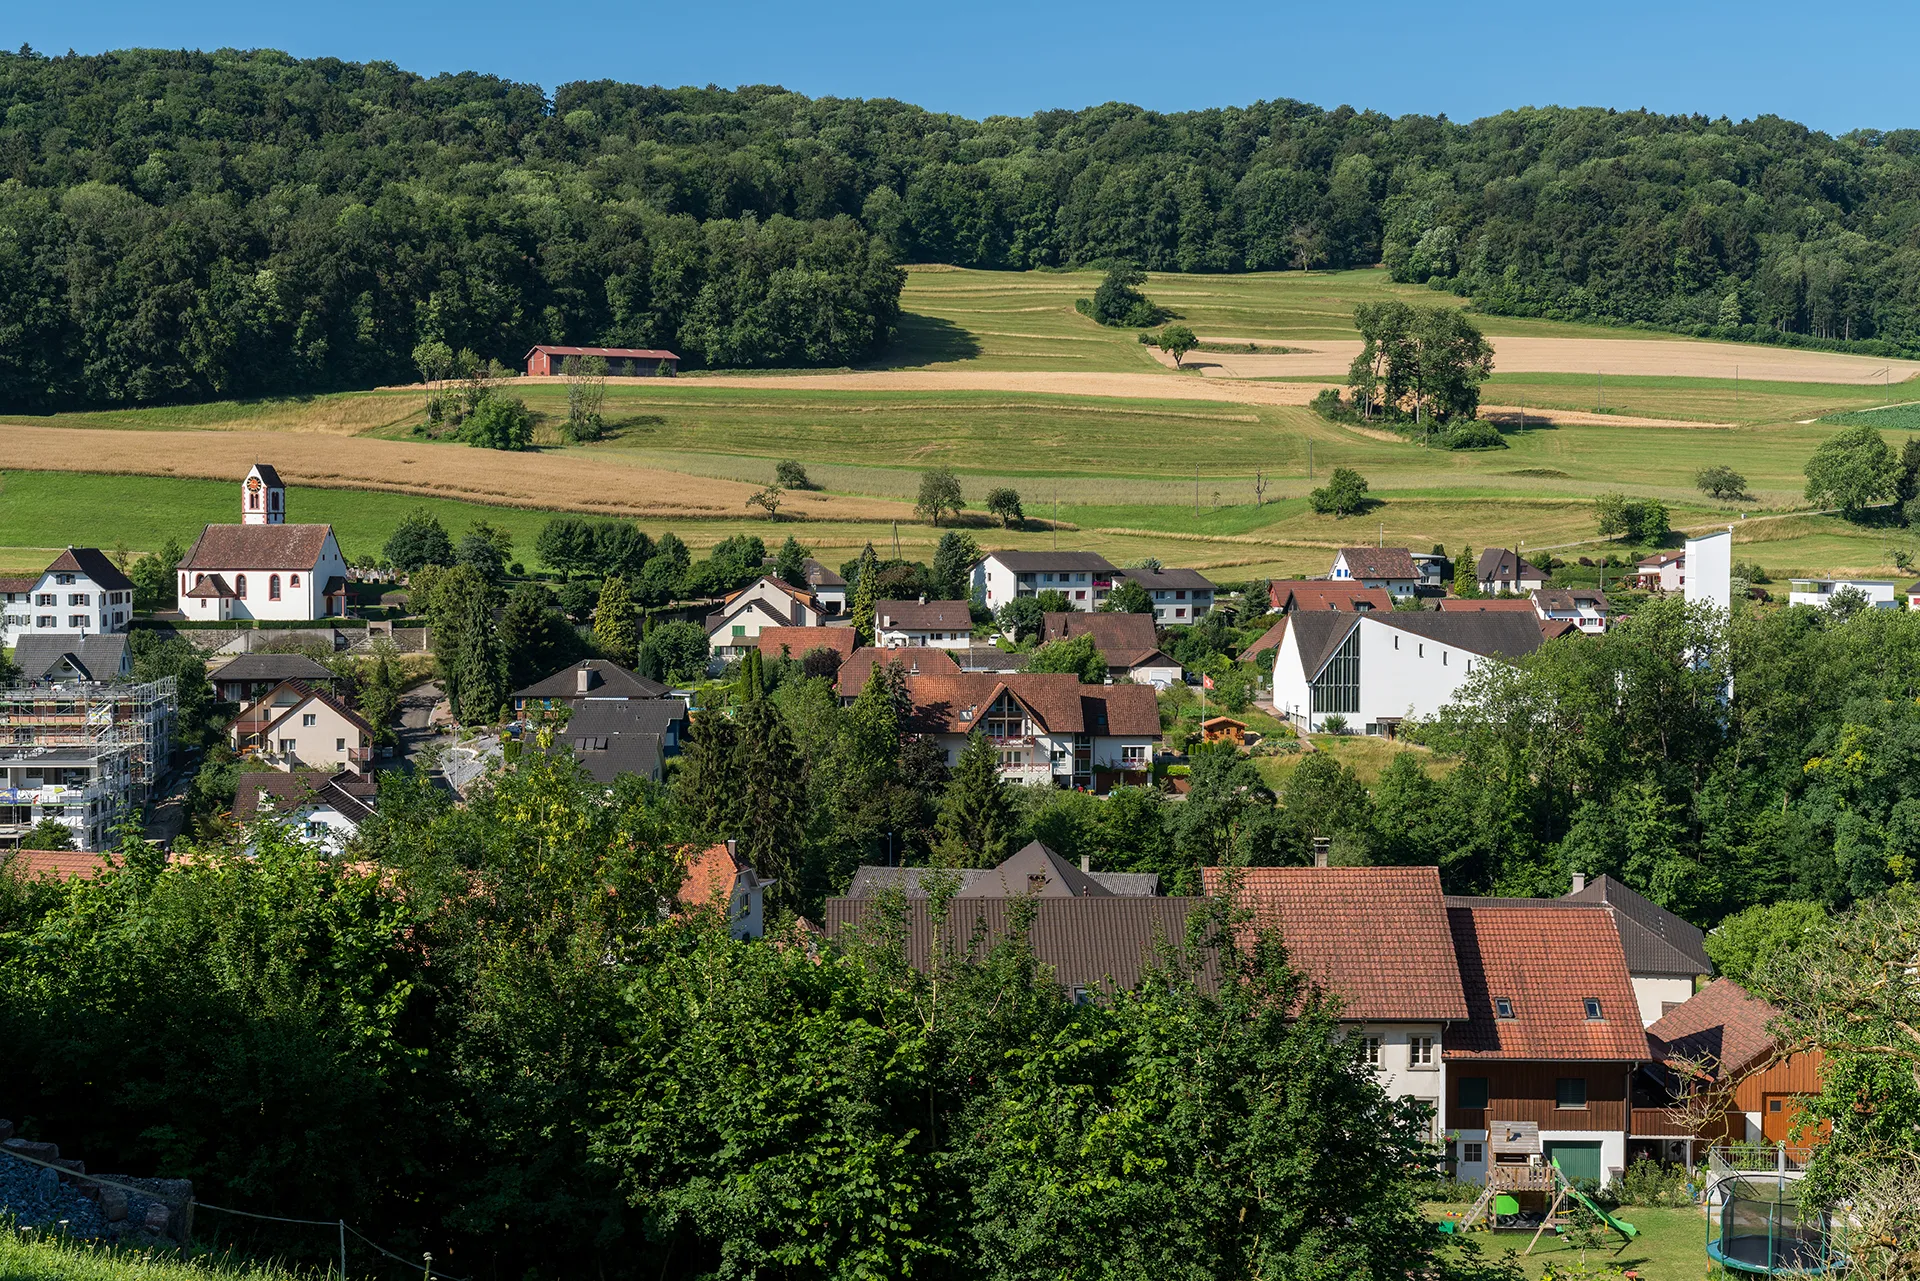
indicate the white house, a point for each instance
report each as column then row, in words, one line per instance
column 735, row 627
column 1180, row 596
column 1500, row 570
column 829, row 589
column 1377, row 669
column 719, row 876
column 1436, row 570
column 1662, row 571
column 296, row 726
column 81, row 593
column 1710, row 580
column 323, row 809
column 1126, row 641
column 1377, row 938
column 1664, row 954
column 1084, row 578
column 1046, row 727
column 1819, row 592
column 1389, row 568
column 1584, row 607
column 263, row 568
column 943, row 624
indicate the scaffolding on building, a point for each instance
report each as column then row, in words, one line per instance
column 135, row 717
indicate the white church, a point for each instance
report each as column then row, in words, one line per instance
column 264, row 568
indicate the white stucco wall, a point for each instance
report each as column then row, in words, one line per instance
column 1396, row 1071
column 1654, row 991
column 1401, row 676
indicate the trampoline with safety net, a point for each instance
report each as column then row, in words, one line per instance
column 1766, row 1230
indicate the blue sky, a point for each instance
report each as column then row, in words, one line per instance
column 1834, row 67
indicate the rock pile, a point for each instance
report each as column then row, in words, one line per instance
column 58, row 1196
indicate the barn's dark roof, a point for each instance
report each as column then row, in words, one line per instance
column 1496, row 634
column 271, row 667
column 612, row 738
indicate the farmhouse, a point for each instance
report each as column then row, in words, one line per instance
column 1500, row 570
column 1375, row 670
column 1289, row 595
column 1126, row 641
column 1179, row 596
column 943, row 624
column 80, row 592
column 622, row 362
column 1047, row 727
column 1389, row 568
column 1084, row 578
column 263, row 568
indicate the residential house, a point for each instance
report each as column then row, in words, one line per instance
column 622, row 362
column 59, row 658
column 591, row 680
column 828, row 587
column 1047, row 727
column 322, row 808
column 1665, row 955
column 1661, row 572
column 1180, row 596
column 735, row 627
column 1584, row 607
column 1379, row 939
column 1819, row 592
column 858, row 667
column 1552, row 1036
column 798, row 642
column 1092, row 944
column 1500, row 570
column 1718, row 1051
column 633, row 736
column 1291, row 595
column 719, row 876
column 1377, row 669
column 1389, row 568
column 1913, row 595
column 245, row 677
column 1033, row 869
column 1084, row 578
column 80, row 592
column 263, row 568
column 1436, row 571
column 295, row 725
column 84, row 752
column 943, row 624
column 1126, row 641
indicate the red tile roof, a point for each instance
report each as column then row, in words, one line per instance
column 910, row 659
column 257, row 547
column 711, row 875
column 624, row 353
column 957, row 703
column 923, row 615
column 1722, row 1021
column 1376, row 937
column 1546, row 961
column 1323, row 593
column 59, row 865
column 798, row 642
column 1109, row 631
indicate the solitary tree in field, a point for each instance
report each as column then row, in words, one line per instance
column 1344, row 493
column 1177, row 341
column 789, row 474
column 939, row 494
column 1005, row 503
column 1721, row 482
column 1852, row 469
column 768, row 500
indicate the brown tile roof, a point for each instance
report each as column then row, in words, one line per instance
column 1126, row 632
column 257, row 547
column 305, row 694
column 1547, row 962
column 957, row 703
column 910, row 659
column 1555, row 628
column 1722, row 1021
column 780, row 584
column 1377, row 937
column 1325, row 594
column 1659, row 560
column 59, row 865
column 1085, row 941
column 92, row 562
column 923, row 615
column 12, row 584
column 623, row 353
column 712, row 874
column 350, row 793
column 1486, row 605
column 1568, row 597
column 798, row 642
column 210, row 587
column 1379, row 562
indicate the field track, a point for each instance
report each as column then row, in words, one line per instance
column 563, row 482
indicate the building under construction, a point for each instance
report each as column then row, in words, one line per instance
column 86, row 754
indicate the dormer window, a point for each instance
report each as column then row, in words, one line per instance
column 1593, row 1009
column 1502, row 1007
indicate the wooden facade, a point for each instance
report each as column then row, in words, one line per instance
column 1519, row 1091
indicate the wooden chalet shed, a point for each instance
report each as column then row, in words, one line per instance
column 622, row 362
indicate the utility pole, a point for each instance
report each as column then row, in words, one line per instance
column 1309, row 460
column 1196, row 491
column 1056, row 518
column 896, row 540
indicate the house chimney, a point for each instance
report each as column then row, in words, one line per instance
column 583, row 680
column 923, row 598
column 1086, row 862
column 1579, row 881
column 1321, row 846
column 733, row 849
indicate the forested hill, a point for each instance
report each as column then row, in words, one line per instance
column 186, row 224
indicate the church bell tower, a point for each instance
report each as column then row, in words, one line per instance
column 263, row 499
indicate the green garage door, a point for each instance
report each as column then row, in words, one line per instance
column 1578, row 1160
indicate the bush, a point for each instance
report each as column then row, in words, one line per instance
column 1334, row 724
column 1445, row 1189
column 1344, row 493
column 1651, row 1183
column 499, row 422
column 1471, row 435
column 789, row 474
column 1330, row 405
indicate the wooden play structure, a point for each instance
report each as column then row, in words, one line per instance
column 1518, row 1168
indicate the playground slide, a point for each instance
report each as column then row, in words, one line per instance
column 1621, row 1226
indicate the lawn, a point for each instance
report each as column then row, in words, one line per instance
column 1671, row 1246
column 30, row 1257
column 1366, row 755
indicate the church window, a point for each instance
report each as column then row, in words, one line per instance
column 273, row 587
column 240, row 586
column 294, row 582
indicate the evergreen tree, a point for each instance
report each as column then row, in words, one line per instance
column 380, row 698
column 708, row 784
column 482, row 664
column 953, row 564
column 864, row 595
column 768, row 807
column 791, row 564
column 1464, row 569
column 533, row 636
column 616, row 622
column 977, row 824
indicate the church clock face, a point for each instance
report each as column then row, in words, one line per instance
column 253, row 484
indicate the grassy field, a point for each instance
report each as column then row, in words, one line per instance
column 1670, row 1247
column 34, row 1257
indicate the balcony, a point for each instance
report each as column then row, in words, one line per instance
column 1040, row 773
column 1758, row 1158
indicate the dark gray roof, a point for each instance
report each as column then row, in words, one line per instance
column 1318, row 634
column 272, row 667
column 1657, row 941
column 1086, row 941
column 99, row 657
column 1493, row 632
column 609, row 681
column 92, row 562
column 1008, row 880
column 1498, row 562
column 820, row 576
column 1033, row 562
column 268, row 476
column 987, row 658
column 352, row 795
column 1170, row 579
column 612, row 738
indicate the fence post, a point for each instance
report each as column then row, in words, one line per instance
column 1780, row 1158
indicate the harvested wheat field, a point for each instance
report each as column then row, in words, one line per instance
column 560, row 482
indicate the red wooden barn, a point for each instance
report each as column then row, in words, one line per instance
column 622, row 362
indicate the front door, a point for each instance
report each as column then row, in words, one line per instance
column 1578, row 1160
column 1777, row 1114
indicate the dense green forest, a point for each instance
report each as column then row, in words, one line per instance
column 175, row 224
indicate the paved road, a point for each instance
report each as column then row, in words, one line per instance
column 415, row 731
